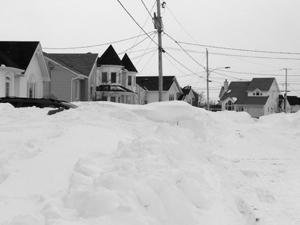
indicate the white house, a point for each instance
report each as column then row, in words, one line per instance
column 258, row 97
column 188, row 95
column 73, row 75
column 116, row 78
column 292, row 104
column 23, row 71
column 147, row 89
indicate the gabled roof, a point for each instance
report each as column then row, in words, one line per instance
column 109, row 57
column 127, row 63
column 150, row 83
column 236, row 89
column 17, row 54
column 293, row 100
column 186, row 90
column 262, row 84
column 80, row 62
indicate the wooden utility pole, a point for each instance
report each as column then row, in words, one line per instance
column 159, row 27
column 285, row 92
column 207, row 80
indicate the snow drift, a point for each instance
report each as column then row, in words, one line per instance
column 159, row 164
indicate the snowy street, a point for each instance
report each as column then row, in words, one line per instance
column 158, row 164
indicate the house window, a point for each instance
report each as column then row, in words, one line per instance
column 129, row 80
column 113, row 78
column 257, row 93
column 31, row 90
column 240, row 109
column 171, row 97
column 113, row 99
column 91, row 91
column 104, row 77
column 7, row 89
column 104, row 98
column 229, row 106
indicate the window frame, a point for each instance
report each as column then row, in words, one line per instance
column 102, row 77
column 113, row 74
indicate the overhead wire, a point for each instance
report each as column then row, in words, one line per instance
column 130, row 15
column 148, row 11
column 147, row 49
column 96, row 45
column 135, row 45
column 146, row 21
column 184, row 50
column 240, row 49
column 237, row 55
column 179, row 23
column 262, row 74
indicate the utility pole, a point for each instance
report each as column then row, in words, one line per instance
column 207, row 81
column 159, row 27
column 285, row 93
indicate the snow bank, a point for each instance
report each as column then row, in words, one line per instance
column 111, row 164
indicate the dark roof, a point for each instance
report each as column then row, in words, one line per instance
column 293, row 100
column 258, row 100
column 262, row 84
column 150, row 83
column 17, row 54
column 79, row 63
column 186, row 90
column 236, row 89
column 113, row 88
column 109, row 57
column 127, row 63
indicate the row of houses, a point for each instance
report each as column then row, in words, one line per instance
column 27, row 71
column 258, row 97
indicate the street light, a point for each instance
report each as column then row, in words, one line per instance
column 208, row 71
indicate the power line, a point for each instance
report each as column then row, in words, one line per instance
column 145, row 6
column 145, row 23
column 145, row 53
column 97, row 45
column 149, row 59
column 226, row 75
column 255, row 73
column 147, row 48
column 185, row 51
column 240, row 49
column 181, row 64
column 136, row 22
column 133, row 46
column 238, row 55
column 178, row 22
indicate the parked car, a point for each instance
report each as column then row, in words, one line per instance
column 39, row 102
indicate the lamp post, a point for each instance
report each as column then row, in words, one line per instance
column 208, row 71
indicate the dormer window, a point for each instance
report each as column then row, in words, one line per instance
column 257, row 93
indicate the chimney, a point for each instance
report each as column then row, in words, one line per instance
column 225, row 85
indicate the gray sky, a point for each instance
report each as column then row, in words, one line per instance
column 252, row 24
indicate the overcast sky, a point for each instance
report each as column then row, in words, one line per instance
column 252, row 24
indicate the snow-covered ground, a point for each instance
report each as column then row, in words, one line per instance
column 159, row 164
